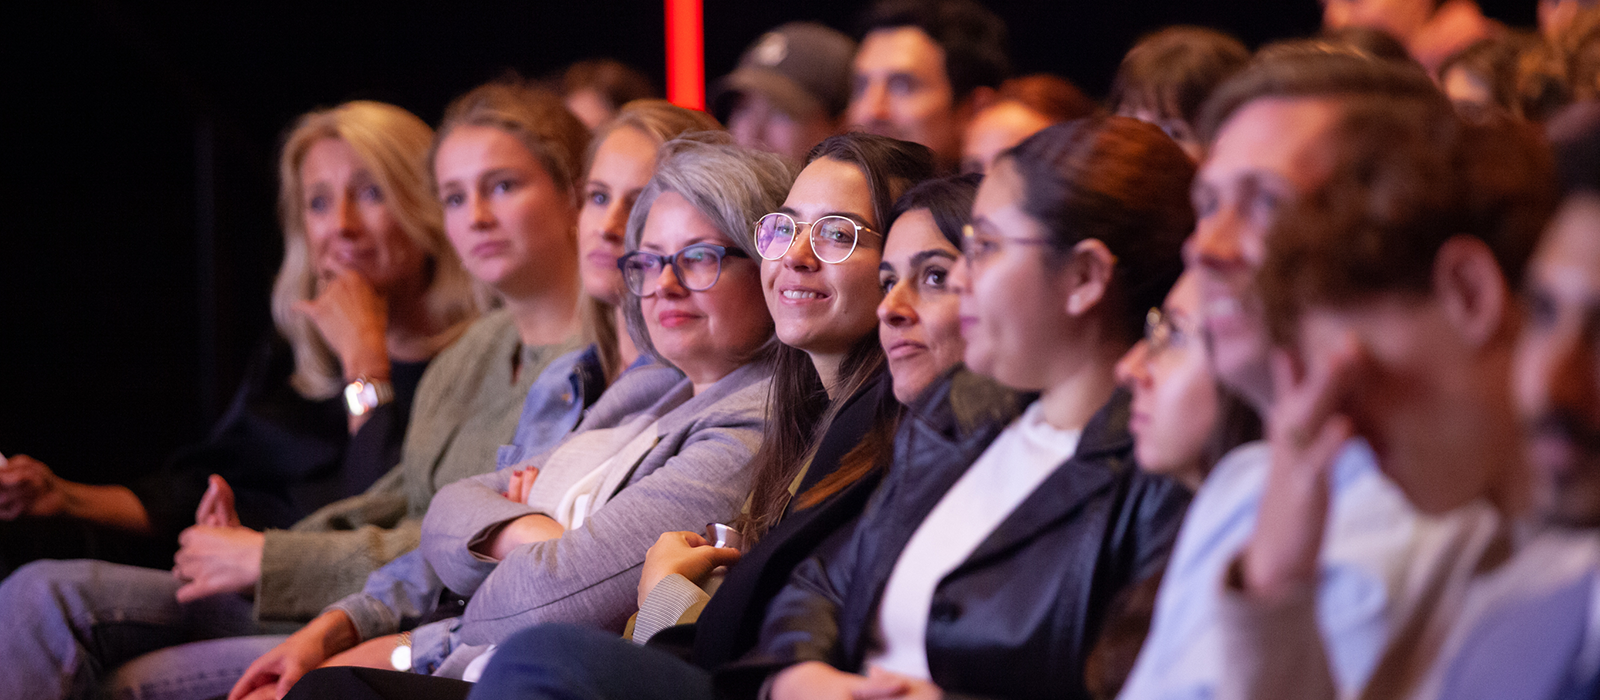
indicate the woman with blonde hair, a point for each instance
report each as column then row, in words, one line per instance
column 368, row 292
column 506, row 165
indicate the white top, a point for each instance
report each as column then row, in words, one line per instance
column 1016, row 463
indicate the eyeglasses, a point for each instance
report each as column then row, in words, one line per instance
column 697, row 267
column 833, row 238
column 975, row 248
column 1162, row 333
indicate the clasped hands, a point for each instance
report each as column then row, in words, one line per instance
column 217, row 554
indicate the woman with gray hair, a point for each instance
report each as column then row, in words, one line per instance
column 562, row 551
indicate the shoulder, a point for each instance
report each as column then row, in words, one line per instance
column 492, row 330
column 964, row 402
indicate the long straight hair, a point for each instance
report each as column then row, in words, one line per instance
column 799, row 411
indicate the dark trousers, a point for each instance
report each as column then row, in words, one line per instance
column 578, row 663
column 356, row 683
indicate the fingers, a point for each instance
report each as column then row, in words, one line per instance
column 513, row 491
column 206, row 513
column 224, row 503
column 258, row 675
column 192, row 591
column 528, row 476
column 722, row 556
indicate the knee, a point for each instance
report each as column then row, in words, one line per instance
column 38, row 582
column 554, row 640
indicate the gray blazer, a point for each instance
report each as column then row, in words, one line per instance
column 696, row 473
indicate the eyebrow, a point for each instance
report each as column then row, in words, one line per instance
column 926, row 255
column 859, row 219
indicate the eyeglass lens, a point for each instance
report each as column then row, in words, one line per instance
column 833, row 238
column 697, row 268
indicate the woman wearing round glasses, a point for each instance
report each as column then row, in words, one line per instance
column 1008, row 521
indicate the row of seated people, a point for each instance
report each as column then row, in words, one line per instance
column 909, row 527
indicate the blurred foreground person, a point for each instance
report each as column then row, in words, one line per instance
column 1266, row 127
column 1389, row 289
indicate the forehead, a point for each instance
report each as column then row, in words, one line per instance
column 327, row 156
column 828, row 185
column 1567, row 260
column 626, row 153
column 900, row 50
column 915, row 231
column 487, row 146
column 1002, row 187
column 1275, row 136
column 673, row 223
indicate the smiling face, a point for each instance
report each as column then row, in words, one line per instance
column 919, row 320
column 1263, row 158
column 825, row 308
column 1176, row 404
column 1557, row 378
column 622, row 167
column 1013, row 311
column 900, row 90
column 505, row 215
column 348, row 223
column 709, row 333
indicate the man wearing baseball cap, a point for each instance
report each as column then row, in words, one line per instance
column 789, row 90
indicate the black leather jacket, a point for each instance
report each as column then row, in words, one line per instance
column 1018, row 618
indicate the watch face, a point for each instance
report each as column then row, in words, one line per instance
column 360, row 397
column 400, row 658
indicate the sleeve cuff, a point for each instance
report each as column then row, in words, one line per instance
column 668, row 603
column 372, row 619
column 1273, row 645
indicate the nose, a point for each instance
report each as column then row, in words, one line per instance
column 482, row 216
column 896, row 310
column 346, row 216
column 616, row 221
column 873, row 103
column 668, row 286
column 799, row 256
column 1132, row 369
column 959, row 278
column 1216, row 242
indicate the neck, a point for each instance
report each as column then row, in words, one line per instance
column 546, row 316
column 1077, row 390
column 827, row 365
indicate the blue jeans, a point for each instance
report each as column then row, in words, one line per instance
column 69, row 624
column 580, row 663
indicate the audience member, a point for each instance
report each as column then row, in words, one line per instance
column 1431, row 30
column 789, row 91
column 1265, row 127
column 1167, row 75
column 1022, row 107
column 368, row 292
column 1182, row 422
column 509, row 190
column 595, row 89
column 924, row 68
column 1388, row 288
column 1511, row 74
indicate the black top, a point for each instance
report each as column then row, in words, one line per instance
column 284, row 455
column 1033, row 593
column 728, row 625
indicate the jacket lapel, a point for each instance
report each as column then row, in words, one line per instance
column 1090, row 471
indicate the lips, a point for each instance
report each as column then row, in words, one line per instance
column 902, row 349
column 602, row 258
column 489, row 249
column 674, row 319
column 795, row 296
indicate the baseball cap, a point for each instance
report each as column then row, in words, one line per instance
column 802, row 67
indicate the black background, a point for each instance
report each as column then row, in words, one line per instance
column 140, row 237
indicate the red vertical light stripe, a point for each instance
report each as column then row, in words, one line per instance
column 686, row 72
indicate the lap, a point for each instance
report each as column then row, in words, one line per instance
column 570, row 662
column 357, row 683
column 197, row 670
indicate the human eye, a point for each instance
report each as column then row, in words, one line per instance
column 502, row 186
column 598, row 198
column 318, row 203
column 1541, row 310
column 1205, row 201
column 837, row 231
column 858, row 85
column 451, row 200
column 887, row 281
column 935, row 278
column 902, row 84
column 371, row 193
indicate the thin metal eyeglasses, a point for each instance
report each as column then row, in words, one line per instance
column 697, row 267
column 975, row 249
column 1161, row 332
column 833, row 238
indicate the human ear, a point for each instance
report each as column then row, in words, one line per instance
column 1087, row 275
column 1471, row 288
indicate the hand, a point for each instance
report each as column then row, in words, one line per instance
column 29, row 488
column 521, row 484
column 353, row 318
column 1305, row 431
column 373, row 653
column 272, row 675
column 214, row 560
column 216, row 507
column 882, row 683
column 684, row 553
column 814, row 679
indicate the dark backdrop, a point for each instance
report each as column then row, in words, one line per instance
column 140, row 238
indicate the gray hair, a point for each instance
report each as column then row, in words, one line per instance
column 729, row 185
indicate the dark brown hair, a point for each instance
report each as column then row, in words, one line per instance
column 1120, row 181
column 798, row 409
column 1170, row 72
column 614, row 80
column 972, row 37
column 1406, row 179
column 1525, row 76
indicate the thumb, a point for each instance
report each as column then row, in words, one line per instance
column 225, row 506
column 723, row 556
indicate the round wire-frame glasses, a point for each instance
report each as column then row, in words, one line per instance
column 833, row 238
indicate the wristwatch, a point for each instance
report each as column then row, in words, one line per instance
column 365, row 394
column 400, row 658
